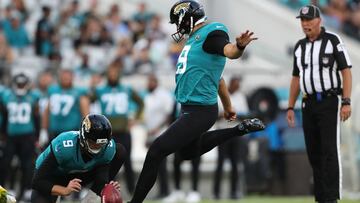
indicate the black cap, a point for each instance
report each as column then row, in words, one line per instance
column 309, row 12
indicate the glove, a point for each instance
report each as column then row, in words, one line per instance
column 5, row 197
column 10, row 199
column 43, row 137
column 3, row 193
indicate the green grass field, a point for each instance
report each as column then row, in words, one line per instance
column 270, row 200
column 277, row 200
column 263, row 200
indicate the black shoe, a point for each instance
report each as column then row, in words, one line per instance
column 251, row 125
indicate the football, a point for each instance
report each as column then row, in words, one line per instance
column 110, row 194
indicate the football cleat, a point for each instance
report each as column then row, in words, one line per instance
column 251, row 125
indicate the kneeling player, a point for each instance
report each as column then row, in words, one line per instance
column 78, row 158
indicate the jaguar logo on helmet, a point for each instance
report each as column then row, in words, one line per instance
column 183, row 6
column 87, row 124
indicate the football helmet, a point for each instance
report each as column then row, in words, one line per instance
column 21, row 84
column 186, row 14
column 95, row 133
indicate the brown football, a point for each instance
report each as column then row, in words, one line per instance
column 110, row 194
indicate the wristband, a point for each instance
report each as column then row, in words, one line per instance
column 241, row 48
column 345, row 101
column 290, row 108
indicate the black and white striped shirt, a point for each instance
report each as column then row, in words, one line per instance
column 318, row 63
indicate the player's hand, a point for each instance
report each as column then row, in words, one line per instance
column 73, row 186
column 115, row 184
column 229, row 114
column 43, row 138
column 290, row 117
column 245, row 38
column 345, row 112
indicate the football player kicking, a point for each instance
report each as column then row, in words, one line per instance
column 198, row 83
column 78, row 158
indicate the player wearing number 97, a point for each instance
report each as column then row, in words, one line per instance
column 21, row 122
column 78, row 158
column 198, row 83
column 66, row 106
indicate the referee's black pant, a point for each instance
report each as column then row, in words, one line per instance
column 321, row 123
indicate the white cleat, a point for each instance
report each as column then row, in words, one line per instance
column 193, row 197
column 175, row 196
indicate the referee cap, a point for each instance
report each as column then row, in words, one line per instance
column 309, row 12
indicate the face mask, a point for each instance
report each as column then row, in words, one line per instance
column 95, row 151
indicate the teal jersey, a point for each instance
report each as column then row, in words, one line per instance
column 65, row 114
column 114, row 101
column 66, row 149
column 20, row 112
column 198, row 73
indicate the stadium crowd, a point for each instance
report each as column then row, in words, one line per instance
column 343, row 15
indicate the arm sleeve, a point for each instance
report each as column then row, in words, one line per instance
column 340, row 53
column 42, row 176
column 215, row 42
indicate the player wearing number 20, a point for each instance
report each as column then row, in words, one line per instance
column 20, row 113
column 78, row 158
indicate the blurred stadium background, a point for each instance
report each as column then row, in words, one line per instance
column 87, row 35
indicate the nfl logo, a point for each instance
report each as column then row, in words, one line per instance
column 197, row 37
column 325, row 60
column 305, row 10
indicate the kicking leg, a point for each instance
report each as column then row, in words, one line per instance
column 212, row 139
column 189, row 127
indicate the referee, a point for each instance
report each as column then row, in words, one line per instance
column 321, row 71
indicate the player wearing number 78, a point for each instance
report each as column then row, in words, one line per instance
column 116, row 101
column 78, row 158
